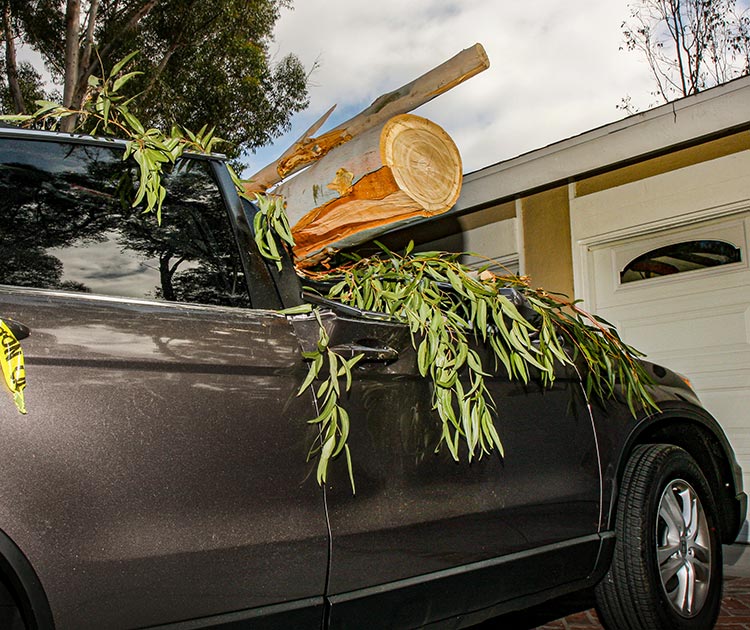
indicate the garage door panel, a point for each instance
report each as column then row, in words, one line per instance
column 716, row 330
column 696, row 322
column 712, row 378
column 606, row 263
column 712, row 297
column 733, row 406
column 709, row 285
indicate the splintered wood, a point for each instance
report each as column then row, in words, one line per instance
column 379, row 170
column 408, row 168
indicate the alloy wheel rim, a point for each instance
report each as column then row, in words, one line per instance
column 683, row 548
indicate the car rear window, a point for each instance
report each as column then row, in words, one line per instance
column 67, row 224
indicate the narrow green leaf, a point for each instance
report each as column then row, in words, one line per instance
column 123, row 80
column 422, row 357
column 324, row 457
column 121, row 64
column 300, row 309
column 312, row 374
column 133, row 122
column 344, row 431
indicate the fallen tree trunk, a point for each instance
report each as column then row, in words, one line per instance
column 403, row 170
column 440, row 79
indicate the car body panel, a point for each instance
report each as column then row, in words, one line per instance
column 162, row 441
column 417, row 514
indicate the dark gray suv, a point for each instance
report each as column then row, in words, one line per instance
column 160, row 478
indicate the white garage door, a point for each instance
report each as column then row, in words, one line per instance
column 683, row 297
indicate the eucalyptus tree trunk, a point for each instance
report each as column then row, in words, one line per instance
column 85, row 65
column 10, row 62
column 401, row 171
column 72, row 35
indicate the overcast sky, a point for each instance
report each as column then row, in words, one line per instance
column 556, row 68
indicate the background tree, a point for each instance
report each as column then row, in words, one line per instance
column 202, row 62
column 30, row 87
column 690, row 45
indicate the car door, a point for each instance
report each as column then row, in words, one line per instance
column 160, row 474
column 426, row 538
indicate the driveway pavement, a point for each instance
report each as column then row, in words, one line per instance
column 735, row 608
column 735, row 611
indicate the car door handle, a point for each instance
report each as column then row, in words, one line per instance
column 19, row 330
column 370, row 354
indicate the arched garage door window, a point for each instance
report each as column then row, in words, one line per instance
column 679, row 257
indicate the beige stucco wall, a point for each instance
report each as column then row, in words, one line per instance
column 545, row 225
column 551, row 222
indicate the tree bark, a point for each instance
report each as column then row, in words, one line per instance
column 84, row 66
column 403, row 170
column 72, row 35
column 11, row 66
column 254, row 186
column 456, row 70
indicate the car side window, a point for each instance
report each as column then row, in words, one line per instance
column 67, row 224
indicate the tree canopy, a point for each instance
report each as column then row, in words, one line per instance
column 201, row 62
column 689, row 45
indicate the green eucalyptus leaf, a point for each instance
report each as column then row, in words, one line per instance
column 123, row 80
column 301, row 309
column 350, row 468
column 134, row 124
column 324, row 458
column 121, row 64
column 312, row 374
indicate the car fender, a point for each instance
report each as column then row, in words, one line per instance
column 25, row 585
column 692, row 428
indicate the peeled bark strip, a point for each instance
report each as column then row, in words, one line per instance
column 406, row 169
column 440, row 79
column 269, row 175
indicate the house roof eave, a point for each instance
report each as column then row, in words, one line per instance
column 688, row 121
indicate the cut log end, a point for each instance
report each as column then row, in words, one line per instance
column 424, row 161
column 440, row 79
column 407, row 169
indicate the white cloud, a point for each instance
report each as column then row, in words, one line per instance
column 556, row 68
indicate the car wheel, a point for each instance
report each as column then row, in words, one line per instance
column 10, row 613
column 666, row 569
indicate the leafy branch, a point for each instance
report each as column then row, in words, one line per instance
column 105, row 111
column 609, row 360
column 454, row 314
column 332, row 416
column 269, row 222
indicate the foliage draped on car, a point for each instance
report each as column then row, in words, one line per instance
column 454, row 313
column 465, row 324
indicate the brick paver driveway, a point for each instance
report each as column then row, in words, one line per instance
column 557, row 615
column 735, row 611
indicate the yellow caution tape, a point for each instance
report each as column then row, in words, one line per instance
column 11, row 360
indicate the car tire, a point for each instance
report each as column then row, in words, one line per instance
column 10, row 611
column 666, row 571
